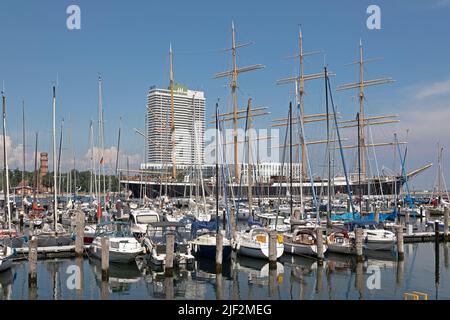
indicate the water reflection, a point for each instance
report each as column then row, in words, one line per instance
column 295, row 277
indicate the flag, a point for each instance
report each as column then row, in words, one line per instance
column 102, row 161
column 99, row 212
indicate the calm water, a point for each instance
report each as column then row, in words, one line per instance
column 295, row 278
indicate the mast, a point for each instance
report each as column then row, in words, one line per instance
column 300, row 92
column 359, row 162
column 118, row 151
column 23, row 156
column 290, row 159
column 249, row 165
column 5, row 161
column 328, row 149
column 55, row 190
column 217, row 168
column 172, row 117
column 35, row 169
column 234, row 85
column 59, row 155
column 363, row 120
column 101, row 141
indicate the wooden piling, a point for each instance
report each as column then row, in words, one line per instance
column 377, row 214
column 445, row 223
column 219, row 252
column 407, row 217
column 359, row 244
column 320, row 251
column 105, row 258
column 273, row 249
column 32, row 263
column 170, row 248
column 79, row 229
column 400, row 245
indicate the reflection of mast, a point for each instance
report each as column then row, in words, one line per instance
column 234, row 73
column 363, row 120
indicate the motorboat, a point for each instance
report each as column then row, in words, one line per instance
column 140, row 219
column 10, row 238
column 6, row 255
column 272, row 221
column 48, row 237
column 373, row 237
column 123, row 246
column 203, row 241
column 89, row 233
column 302, row 242
column 155, row 244
column 340, row 242
column 254, row 242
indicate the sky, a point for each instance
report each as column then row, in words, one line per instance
column 127, row 42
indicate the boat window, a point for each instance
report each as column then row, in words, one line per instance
column 146, row 219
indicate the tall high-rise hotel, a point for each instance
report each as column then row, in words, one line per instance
column 189, row 122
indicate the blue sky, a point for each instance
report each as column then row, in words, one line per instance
column 128, row 41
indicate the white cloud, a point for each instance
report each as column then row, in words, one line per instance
column 443, row 3
column 433, row 89
column 15, row 158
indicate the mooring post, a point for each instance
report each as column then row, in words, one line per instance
column 400, row 271
column 219, row 252
column 406, row 218
column 79, row 239
column 399, row 208
column 359, row 244
column 170, row 248
column 32, row 263
column 445, row 223
column 421, row 211
column 320, row 251
column 348, row 204
column 105, row 258
column 377, row 214
column 273, row 249
column 400, row 246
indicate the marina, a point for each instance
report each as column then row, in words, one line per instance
column 233, row 190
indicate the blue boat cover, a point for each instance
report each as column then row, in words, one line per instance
column 369, row 217
column 200, row 225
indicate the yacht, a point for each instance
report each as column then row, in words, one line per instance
column 302, row 242
column 123, row 246
column 254, row 242
column 373, row 238
column 155, row 244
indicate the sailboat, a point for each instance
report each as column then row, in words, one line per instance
column 6, row 255
column 8, row 235
column 204, row 237
column 56, row 236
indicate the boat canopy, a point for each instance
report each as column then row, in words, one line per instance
column 201, row 225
